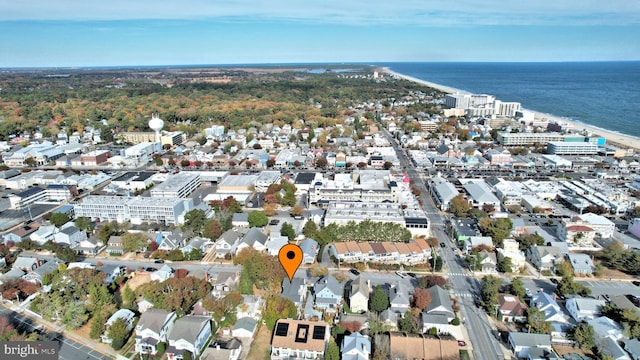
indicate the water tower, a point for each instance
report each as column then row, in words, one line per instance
column 156, row 124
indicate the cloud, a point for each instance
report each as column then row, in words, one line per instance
column 352, row 12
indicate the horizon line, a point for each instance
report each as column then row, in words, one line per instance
column 276, row 64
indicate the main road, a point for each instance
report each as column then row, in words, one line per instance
column 465, row 286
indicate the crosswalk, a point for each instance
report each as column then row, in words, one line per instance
column 465, row 294
column 459, row 274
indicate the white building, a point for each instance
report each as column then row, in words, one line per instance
column 168, row 211
column 177, row 186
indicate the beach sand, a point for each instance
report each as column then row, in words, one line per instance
column 615, row 139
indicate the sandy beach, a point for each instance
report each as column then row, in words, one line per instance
column 615, row 139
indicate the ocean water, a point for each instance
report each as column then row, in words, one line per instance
column 600, row 94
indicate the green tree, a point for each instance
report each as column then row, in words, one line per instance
column 134, row 242
column 277, row 308
column 195, row 254
column 498, row 229
column 409, row 324
column 106, row 230
column 527, row 241
column 159, row 162
column 257, row 218
column 288, row 231
column 212, row 229
column 517, row 288
column 378, row 300
column 289, row 199
column 310, row 230
column 459, row 206
column 83, row 223
column 504, row 263
column 58, row 219
column 489, row 288
column 128, row 298
column 118, row 332
column 536, row 323
column 583, row 335
column 333, row 352
column 194, row 221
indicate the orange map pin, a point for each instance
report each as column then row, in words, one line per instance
column 290, row 257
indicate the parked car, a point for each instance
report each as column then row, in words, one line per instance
column 354, row 272
column 442, row 245
column 274, row 222
column 636, row 283
column 401, row 274
column 412, row 275
column 159, row 261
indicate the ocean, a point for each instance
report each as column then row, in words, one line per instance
column 599, row 94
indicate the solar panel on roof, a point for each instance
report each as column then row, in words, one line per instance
column 282, row 329
column 318, row 332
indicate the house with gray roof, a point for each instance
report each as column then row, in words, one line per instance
column 225, row 282
column 584, row 309
column 359, row 295
column 442, row 192
column 440, row 303
column 115, row 245
column 356, row 347
column 399, row 301
column 227, row 241
column 70, row 236
column 294, row 290
column 151, row 329
column 488, row 262
column 605, row 327
column 389, row 319
column 223, row 349
column 171, row 240
column 310, row 250
column 309, row 312
column 328, row 293
column 581, row 264
column 90, row 246
column 13, row 274
column 438, row 321
column 26, row 263
column 126, row 315
column 544, row 257
column 35, row 276
column 473, row 242
column 521, row 343
column 253, row 238
column 197, row 243
column 480, row 195
column 633, row 348
column 240, row 219
column 190, row 333
column 553, row 313
column 542, row 354
column 244, row 327
column 609, row 346
column 165, row 272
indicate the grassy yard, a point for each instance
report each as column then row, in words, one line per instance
column 260, row 347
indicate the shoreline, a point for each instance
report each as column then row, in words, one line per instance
column 613, row 138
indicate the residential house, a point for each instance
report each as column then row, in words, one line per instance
column 165, row 272
column 26, row 263
column 474, row 242
column 300, row 339
column 70, row 236
column 144, row 305
column 240, row 220
column 389, row 319
column 294, row 290
column 511, row 308
column 189, row 333
column 510, row 249
column 359, row 295
column 36, row 275
column 90, row 246
column 310, row 250
column 21, row 233
column 43, row 234
column 537, row 353
column 604, row 327
column 440, row 303
column 112, row 272
column 328, row 293
column 115, row 245
column 356, row 347
column 226, row 282
column 522, row 343
column 196, row 243
column 544, row 257
column 275, row 243
column 581, row 264
column 227, row 241
column 576, row 232
column 426, row 347
column 168, row 241
column 220, row 349
column 244, row 327
column 399, row 301
column 609, row 346
column 253, row 238
column 251, row 307
column 553, row 313
column 488, row 262
column 11, row 275
column 584, row 309
column 633, row 348
column 151, row 329
column 127, row 315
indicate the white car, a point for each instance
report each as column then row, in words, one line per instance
column 401, row 274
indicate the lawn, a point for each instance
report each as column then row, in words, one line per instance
column 260, row 347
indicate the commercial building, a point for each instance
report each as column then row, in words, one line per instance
column 166, row 138
column 572, row 148
column 266, row 179
column 168, row 211
column 177, row 186
column 341, row 213
column 527, row 139
column 142, row 151
column 95, row 157
column 442, row 192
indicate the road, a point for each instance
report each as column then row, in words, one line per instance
column 464, row 286
column 69, row 349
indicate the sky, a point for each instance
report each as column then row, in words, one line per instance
column 85, row 33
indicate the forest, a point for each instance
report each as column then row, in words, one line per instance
column 116, row 100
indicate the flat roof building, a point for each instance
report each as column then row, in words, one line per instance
column 177, row 186
column 168, row 211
